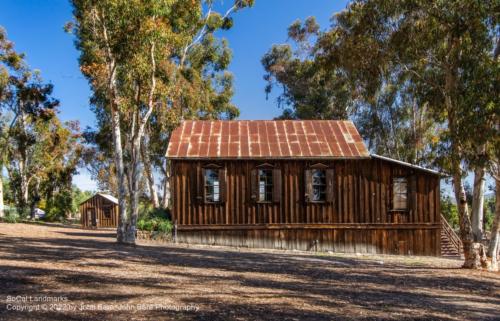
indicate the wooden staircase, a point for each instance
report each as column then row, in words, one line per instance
column 451, row 245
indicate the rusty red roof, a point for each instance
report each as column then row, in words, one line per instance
column 266, row 139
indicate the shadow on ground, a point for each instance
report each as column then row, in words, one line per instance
column 90, row 268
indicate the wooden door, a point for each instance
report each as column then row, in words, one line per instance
column 91, row 214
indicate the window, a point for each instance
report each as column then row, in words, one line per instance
column 265, row 185
column 318, row 185
column 400, row 193
column 212, row 186
column 107, row 212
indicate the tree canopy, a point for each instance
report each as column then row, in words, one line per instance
column 417, row 77
column 151, row 64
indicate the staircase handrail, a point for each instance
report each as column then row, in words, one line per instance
column 452, row 236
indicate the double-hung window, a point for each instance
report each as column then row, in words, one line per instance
column 265, row 185
column 212, row 186
column 318, row 185
column 319, row 181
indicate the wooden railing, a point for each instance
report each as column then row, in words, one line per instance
column 452, row 236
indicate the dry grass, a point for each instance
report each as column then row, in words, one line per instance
column 89, row 268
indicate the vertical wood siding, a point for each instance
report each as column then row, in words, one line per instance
column 362, row 194
column 97, row 203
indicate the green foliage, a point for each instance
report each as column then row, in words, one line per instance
column 489, row 212
column 11, row 217
column 78, row 197
column 58, row 206
column 151, row 64
column 449, row 210
column 154, row 220
column 8, row 193
column 40, row 153
column 417, row 77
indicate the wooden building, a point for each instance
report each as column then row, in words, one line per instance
column 307, row 185
column 101, row 210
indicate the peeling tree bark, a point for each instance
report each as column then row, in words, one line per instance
column 474, row 253
column 149, row 175
column 135, row 164
column 120, row 173
column 495, row 229
column 478, row 204
column 165, row 202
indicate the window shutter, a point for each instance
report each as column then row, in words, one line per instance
column 329, row 185
column 411, row 195
column 222, row 185
column 276, row 185
column 200, row 186
column 308, row 185
column 254, row 185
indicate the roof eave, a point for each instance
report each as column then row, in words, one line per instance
column 420, row 168
column 271, row 157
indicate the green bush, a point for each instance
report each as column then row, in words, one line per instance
column 140, row 224
column 11, row 217
column 165, row 227
column 154, row 220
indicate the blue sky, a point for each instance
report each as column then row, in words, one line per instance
column 36, row 28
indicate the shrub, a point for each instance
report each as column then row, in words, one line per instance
column 57, row 207
column 11, row 217
column 140, row 224
column 149, row 225
column 165, row 226
column 154, row 220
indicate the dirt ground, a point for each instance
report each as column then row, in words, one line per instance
column 61, row 273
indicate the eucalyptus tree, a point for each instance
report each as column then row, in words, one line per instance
column 203, row 90
column 444, row 50
column 11, row 63
column 130, row 53
column 424, row 68
column 333, row 75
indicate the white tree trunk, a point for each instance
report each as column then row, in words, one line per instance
column 478, row 204
column 166, row 186
column 121, row 229
column 24, row 185
column 127, row 229
column 474, row 254
column 166, row 193
column 153, row 193
column 136, row 171
column 495, row 229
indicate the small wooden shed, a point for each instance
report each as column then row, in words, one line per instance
column 307, row 185
column 101, row 210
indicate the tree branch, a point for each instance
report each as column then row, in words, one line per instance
column 203, row 31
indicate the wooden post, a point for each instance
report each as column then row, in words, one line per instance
column 175, row 231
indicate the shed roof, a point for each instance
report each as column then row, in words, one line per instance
column 266, row 139
column 109, row 197
column 106, row 196
column 428, row 170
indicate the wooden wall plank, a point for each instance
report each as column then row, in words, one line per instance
column 362, row 189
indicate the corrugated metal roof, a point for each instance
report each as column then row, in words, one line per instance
column 109, row 197
column 428, row 170
column 266, row 139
